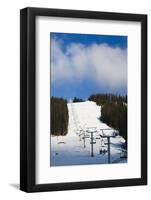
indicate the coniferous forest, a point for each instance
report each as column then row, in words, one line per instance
column 77, row 100
column 113, row 111
column 59, row 116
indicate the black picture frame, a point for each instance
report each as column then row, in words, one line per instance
column 28, row 99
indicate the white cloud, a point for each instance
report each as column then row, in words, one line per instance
column 104, row 65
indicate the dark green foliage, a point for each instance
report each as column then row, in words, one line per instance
column 77, row 100
column 101, row 99
column 115, row 115
column 113, row 111
column 59, row 116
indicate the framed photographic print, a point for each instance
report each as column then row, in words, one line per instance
column 83, row 99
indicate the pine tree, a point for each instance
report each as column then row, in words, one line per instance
column 59, row 116
column 113, row 111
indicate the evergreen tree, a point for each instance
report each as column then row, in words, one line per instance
column 77, row 100
column 59, row 116
column 113, row 111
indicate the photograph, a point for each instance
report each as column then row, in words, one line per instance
column 83, row 99
column 88, row 99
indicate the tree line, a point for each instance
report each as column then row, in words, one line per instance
column 77, row 100
column 101, row 99
column 113, row 111
column 59, row 116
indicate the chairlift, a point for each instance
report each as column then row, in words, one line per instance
column 93, row 141
column 98, row 138
column 103, row 142
column 103, row 150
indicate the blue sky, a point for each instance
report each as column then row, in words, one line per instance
column 83, row 64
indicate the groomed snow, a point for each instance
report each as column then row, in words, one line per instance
column 75, row 147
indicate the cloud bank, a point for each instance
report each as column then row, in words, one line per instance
column 101, row 64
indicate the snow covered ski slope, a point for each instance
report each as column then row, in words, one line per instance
column 86, row 141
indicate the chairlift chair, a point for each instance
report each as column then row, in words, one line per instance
column 103, row 150
column 98, row 137
column 93, row 141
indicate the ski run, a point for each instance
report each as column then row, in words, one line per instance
column 87, row 140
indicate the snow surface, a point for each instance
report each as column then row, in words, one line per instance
column 75, row 147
